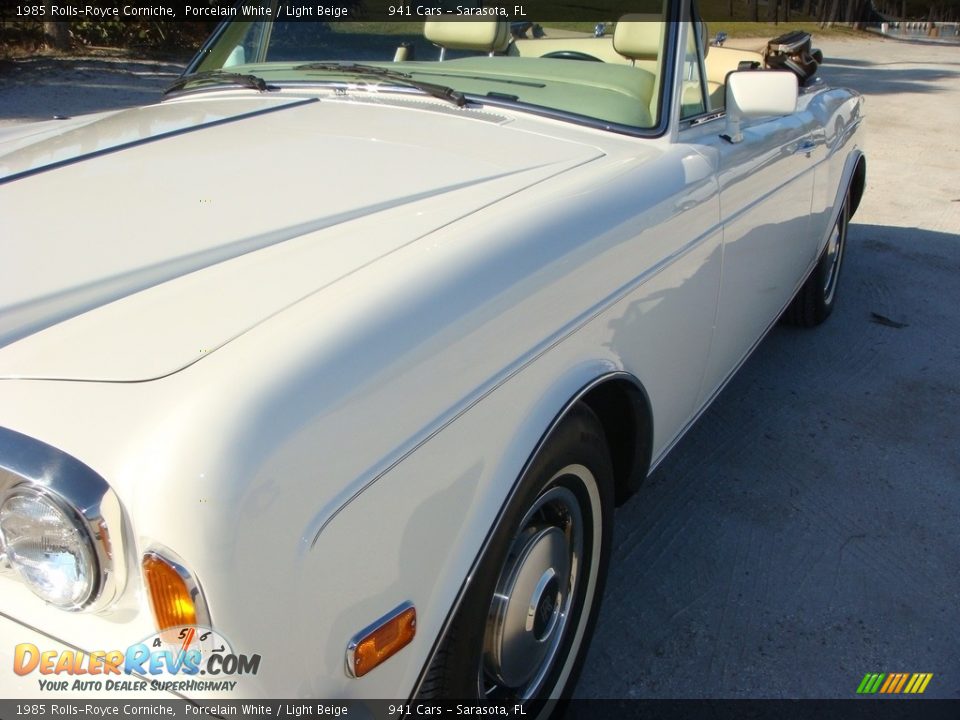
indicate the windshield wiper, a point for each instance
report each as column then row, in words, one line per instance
column 438, row 91
column 218, row 77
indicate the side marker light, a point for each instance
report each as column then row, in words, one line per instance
column 381, row 640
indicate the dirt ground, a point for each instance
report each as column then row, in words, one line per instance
column 805, row 531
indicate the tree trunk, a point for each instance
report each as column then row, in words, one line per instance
column 851, row 11
column 773, row 8
column 754, row 10
column 56, row 34
column 828, row 13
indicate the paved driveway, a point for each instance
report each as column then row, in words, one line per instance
column 806, row 531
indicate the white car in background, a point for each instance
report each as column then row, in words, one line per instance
column 348, row 352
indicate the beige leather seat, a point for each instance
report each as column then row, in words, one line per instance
column 488, row 36
column 639, row 37
column 720, row 62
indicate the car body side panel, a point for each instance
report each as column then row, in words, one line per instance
column 422, row 547
column 766, row 191
column 839, row 113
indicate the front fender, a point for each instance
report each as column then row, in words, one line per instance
column 417, row 531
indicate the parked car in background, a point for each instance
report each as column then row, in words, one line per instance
column 342, row 355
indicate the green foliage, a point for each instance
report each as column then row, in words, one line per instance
column 143, row 34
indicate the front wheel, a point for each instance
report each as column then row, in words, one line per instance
column 524, row 625
column 817, row 297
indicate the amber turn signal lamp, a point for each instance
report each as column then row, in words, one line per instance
column 381, row 640
column 170, row 598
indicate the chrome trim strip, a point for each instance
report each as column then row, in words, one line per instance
column 82, row 651
column 375, row 625
column 153, row 138
column 834, row 215
column 30, row 464
column 366, row 480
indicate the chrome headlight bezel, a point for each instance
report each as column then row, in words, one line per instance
column 30, row 466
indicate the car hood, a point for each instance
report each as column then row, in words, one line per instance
column 138, row 241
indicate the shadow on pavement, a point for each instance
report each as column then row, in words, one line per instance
column 804, row 531
column 884, row 79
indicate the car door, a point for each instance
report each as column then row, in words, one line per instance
column 766, row 185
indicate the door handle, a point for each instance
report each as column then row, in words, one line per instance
column 805, row 148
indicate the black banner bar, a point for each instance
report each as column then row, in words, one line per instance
column 855, row 709
column 540, row 11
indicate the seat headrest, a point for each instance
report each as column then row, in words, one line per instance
column 466, row 34
column 638, row 36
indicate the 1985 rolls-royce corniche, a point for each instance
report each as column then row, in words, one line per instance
column 349, row 347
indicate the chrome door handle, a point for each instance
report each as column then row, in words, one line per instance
column 805, row 148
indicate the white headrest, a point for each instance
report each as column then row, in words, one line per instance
column 638, row 36
column 466, row 34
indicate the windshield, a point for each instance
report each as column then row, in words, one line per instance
column 605, row 72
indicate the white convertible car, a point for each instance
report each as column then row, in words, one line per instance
column 348, row 348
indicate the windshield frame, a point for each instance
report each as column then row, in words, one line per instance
column 665, row 105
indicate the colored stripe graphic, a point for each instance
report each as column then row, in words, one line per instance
column 918, row 683
column 892, row 680
column 894, row 683
column 903, row 681
column 870, row 683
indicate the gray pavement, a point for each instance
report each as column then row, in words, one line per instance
column 805, row 532
column 38, row 88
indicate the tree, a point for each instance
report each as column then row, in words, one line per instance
column 56, row 34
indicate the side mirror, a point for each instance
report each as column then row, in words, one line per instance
column 758, row 93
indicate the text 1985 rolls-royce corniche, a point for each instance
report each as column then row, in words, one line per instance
column 326, row 372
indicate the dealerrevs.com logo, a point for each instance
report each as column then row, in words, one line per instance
column 186, row 659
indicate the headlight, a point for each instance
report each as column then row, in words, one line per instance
column 51, row 549
column 61, row 526
column 4, row 563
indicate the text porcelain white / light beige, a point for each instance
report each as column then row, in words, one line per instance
column 353, row 356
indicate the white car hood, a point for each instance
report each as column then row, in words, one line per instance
column 136, row 242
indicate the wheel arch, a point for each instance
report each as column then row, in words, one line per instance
column 622, row 405
column 858, row 183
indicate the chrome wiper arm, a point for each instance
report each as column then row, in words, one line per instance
column 438, row 91
column 219, row 77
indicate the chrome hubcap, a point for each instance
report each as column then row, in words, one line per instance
column 531, row 606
